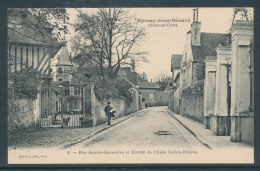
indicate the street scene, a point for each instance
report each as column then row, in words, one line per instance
column 137, row 85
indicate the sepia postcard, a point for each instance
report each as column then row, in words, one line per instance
column 131, row 85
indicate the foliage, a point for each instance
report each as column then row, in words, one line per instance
column 13, row 111
column 197, row 90
column 200, row 70
column 25, row 83
column 192, row 101
column 108, row 39
column 143, row 76
column 113, row 88
column 163, row 80
column 48, row 23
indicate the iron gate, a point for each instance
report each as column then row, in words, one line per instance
column 61, row 108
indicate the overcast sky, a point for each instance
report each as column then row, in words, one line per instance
column 162, row 42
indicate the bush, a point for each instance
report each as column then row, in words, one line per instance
column 25, row 83
column 113, row 88
column 13, row 111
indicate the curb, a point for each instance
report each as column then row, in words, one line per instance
column 205, row 143
column 100, row 130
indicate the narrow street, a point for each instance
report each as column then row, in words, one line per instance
column 152, row 128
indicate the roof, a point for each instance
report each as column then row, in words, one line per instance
column 63, row 56
column 131, row 76
column 18, row 37
column 147, row 85
column 209, row 42
column 24, row 27
column 78, row 78
column 176, row 60
column 177, row 77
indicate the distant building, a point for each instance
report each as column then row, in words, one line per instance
column 175, row 65
column 151, row 94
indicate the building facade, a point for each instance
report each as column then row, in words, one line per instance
column 217, row 73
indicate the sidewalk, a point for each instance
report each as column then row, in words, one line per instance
column 58, row 137
column 206, row 135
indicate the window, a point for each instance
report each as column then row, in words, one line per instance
column 151, row 97
column 60, row 70
column 77, row 91
column 60, row 79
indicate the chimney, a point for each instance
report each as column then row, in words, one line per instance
column 195, row 28
column 194, row 11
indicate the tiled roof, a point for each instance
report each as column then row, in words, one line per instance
column 132, row 77
column 78, row 78
column 176, row 60
column 18, row 37
column 209, row 42
column 147, row 85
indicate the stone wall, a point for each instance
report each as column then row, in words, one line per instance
column 160, row 98
column 177, row 101
column 192, row 101
column 117, row 104
column 121, row 107
column 22, row 113
column 171, row 101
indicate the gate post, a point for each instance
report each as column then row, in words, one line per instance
column 221, row 114
column 89, row 118
column 242, row 119
column 209, row 90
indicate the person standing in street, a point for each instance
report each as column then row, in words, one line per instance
column 107, row 110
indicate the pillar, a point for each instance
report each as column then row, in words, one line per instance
column 242, row 33
column 89, row 118
column 209, row 89
column 221, row 113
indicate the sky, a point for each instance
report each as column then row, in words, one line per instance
column 161, row 42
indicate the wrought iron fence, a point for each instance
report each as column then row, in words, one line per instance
column 61, row 109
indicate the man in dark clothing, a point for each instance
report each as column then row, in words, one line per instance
column 108, row 113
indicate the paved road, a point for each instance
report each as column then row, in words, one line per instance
column 142, row 131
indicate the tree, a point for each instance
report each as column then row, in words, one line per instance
column 143, row 76
column 25, row 84
column 108, row 39
column 163, row 80
column 44, row 24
